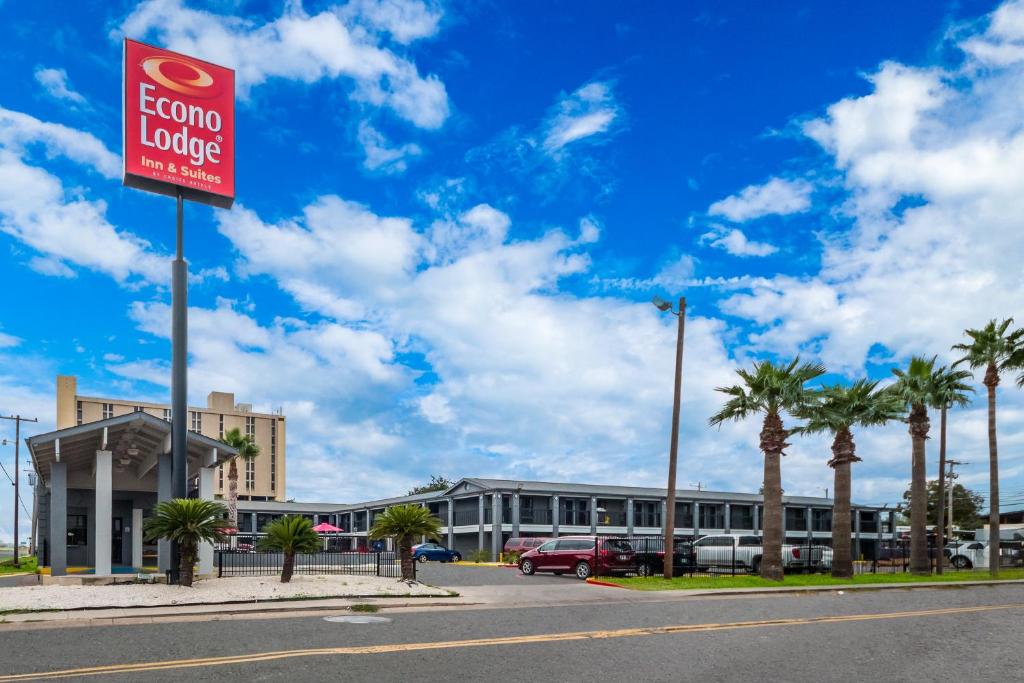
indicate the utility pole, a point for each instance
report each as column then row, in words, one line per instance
column 951, row 464
column 670, row 493
column 18, row 419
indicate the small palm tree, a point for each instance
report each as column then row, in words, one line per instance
column 837, row 410
column 247, row 450
column 403, row 523
column 951, row 392
column 996, row 349
column 917, row 389
column 290, row 534
column 187, row 522
column 770, row 390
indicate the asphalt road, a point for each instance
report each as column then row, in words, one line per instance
column 958, row 634
column 455, row 575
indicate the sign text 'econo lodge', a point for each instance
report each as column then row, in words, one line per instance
column 179, row 128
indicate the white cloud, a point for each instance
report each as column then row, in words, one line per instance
column 436, row 409
column 591, row 110
column 734, row 241
column 1002, row 43
column 590, row 230
column 8, row 340
column 36, row 209
column 777, row 196
column 306, row 48
column 481, row 227
column 405, row 20
column 381, row 155
column 56, row 83
column 336, row 245
column 19, row 131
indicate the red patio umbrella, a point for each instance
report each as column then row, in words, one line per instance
column 325, row 528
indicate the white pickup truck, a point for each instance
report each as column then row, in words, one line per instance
column 725, row 551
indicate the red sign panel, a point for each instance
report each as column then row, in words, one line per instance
column 179, row 125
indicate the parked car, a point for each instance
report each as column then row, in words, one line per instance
column 576, row 554
column 971, row 554
column 520, row 544
column 729, row 551
column 432, row 551
column 650, row 555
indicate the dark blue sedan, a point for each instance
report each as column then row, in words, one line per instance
column 433, row 551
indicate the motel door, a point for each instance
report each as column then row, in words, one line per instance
column 117, row 541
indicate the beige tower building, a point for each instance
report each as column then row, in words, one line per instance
column 262, row 478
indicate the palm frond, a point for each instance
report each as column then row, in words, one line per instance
column 403, row 521
column 290, row 534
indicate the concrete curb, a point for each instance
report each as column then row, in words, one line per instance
column 768, row 590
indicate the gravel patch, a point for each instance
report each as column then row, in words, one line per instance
column 206, row 591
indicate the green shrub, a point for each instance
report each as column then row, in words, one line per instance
column 479, row 556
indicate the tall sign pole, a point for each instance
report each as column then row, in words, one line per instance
column 179, row 140
column 18, row 419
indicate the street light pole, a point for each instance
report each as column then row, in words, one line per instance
column 179, row 373
column 670, row 494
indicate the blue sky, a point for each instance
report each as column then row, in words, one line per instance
column 450, row 219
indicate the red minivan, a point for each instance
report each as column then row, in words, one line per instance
column 520, row 544
column 576, row 554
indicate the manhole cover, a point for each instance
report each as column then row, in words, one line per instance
column 357, row 619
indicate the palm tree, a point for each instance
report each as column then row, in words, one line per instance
column 951, row 392
column 247, row 450
column 187, row 522
column 917, row 389
column 836, row 410
column 994, row 349
column 403, row 523
column 770, row 390
column 290, row 534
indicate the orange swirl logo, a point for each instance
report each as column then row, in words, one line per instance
column 179, row 75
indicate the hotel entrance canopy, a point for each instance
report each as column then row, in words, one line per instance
column 121, row 463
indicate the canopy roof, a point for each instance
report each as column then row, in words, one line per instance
column 136, row 440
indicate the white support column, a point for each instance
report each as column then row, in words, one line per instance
column 102, row 543
column 206, row 493
column 137, row 535
column 629, row 516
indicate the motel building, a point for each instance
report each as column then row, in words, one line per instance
column 482, row 514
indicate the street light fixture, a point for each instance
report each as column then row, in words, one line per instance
column 670, row 497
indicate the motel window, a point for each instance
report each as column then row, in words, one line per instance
column 712, row 516
column 821, row 520
column 796, row 519
column 250, row 427
column 78, row 412
column 108, row 410
column 167, row 414
column 250, row 474
column 684, row 515
column 742, row 516
column 220, row 427
column 78, row 530
column 136, row 409
column 647, row 513
column 196, row 421
column 220, row 476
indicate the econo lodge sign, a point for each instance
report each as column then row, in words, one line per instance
column 179, row 125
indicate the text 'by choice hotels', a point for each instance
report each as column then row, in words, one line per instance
column 178, row 125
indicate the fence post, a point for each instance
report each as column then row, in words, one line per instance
column 220, row 564
column 734, row 557
column 377, row 557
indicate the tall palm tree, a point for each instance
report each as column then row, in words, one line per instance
column 187, row 522
column 247, row 450
column 836, row 410
column 403, row 523
column 994, row 348
column 770, row 390
column 917, row 389
column 290, row 534
column 951, row 392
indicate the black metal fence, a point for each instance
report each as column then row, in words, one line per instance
column 260, row 563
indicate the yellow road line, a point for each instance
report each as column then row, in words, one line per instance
column 488, row 642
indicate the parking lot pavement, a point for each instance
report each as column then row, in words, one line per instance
column 448, row 575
